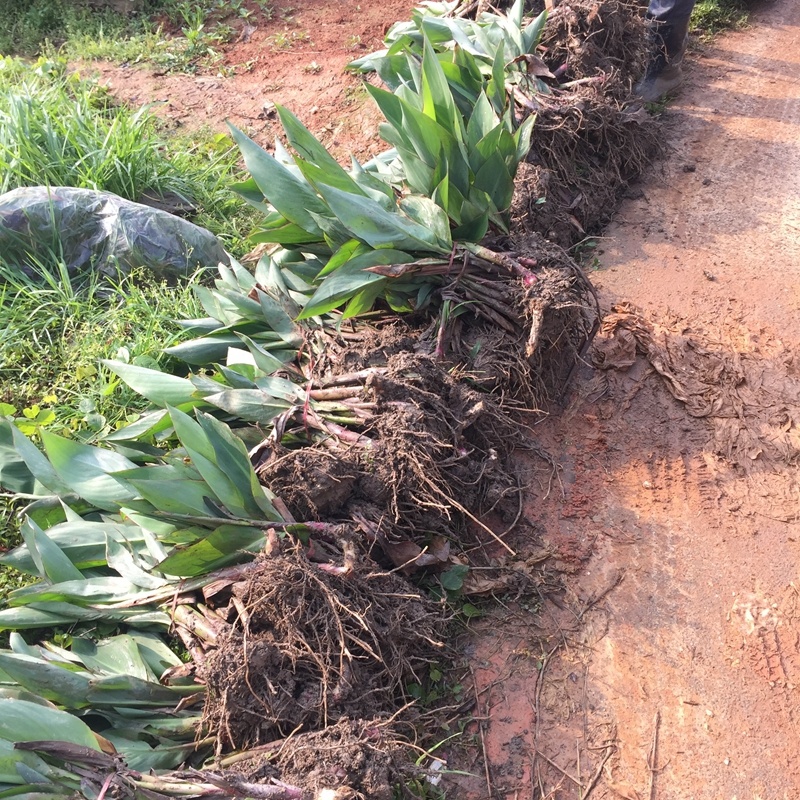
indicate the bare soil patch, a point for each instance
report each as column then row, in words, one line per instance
column 295, row 58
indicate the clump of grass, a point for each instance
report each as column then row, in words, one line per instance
column 25, row 26
column 53, row 334
column 59, row 129
column 711, row 17
column 126, row 30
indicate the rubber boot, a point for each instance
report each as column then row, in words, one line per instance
column 664, row 72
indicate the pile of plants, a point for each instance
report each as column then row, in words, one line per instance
column 592, row 137
column 307, row 493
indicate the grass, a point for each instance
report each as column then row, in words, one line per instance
column 711, row 17
column 53, row 334
column 173, row 35
column 59, row 129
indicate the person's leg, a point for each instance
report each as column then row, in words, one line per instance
column 670, row 21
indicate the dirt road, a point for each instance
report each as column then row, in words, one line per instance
column 670, row 667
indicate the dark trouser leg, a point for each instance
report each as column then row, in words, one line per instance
column 671, row 21
column 670, row 28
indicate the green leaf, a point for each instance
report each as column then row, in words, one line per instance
column 119, row 655
column 291, row 196
column 453, row 578
column 121, row 559
column 350, row 279
column 470, row 611
column 252, row 405
column 222, row 547
column 128, row 690
column 87, row 471
column 532, row 32
column 437, row 99
column 41, row 469
column 82, row 542
column 350, row 249
column 370, row 222
column 49, row 558
column 313, row 151
column 426, row 212
column 363, row 301
column 231, row 457
column 22, row 721
column 158, row 387
column 55, row 683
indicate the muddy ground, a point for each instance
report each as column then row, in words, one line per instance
column 667, row 665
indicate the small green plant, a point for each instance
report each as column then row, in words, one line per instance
column 713, row 16
column 286, row 40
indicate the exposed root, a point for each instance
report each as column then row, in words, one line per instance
column 317, row 644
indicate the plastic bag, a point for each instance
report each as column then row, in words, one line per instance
column 100, row 232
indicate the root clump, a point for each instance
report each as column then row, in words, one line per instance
column 311, row 643
column 592, row 137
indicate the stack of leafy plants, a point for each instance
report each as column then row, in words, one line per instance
column 343, row 417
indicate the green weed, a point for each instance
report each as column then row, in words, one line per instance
column 713, row 16
column 59, row 129
column 53, row 334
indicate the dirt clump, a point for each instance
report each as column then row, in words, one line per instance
column 591, row 38
column 313, row 640
column 356, row 759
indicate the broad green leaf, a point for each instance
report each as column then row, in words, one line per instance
column 158, row 387
column 238, row 500
column 14, row 473
column 232, row 458
column 532, row 32
column 87, row 471
column 41, row 469
column 83, row 542
column 291, row 196
column 427, row 213
column 350, row 249
column 437, row 98
column 148, row 424
column 252, row 405
column 156, row 655
column 86, row 592
column 121, row 559
column 57, row 684
column 222, row 547
column 129, row 690
column 363, row 301
column 313, row 151
column 173, row 496
column 522, row 138
column 119, row 655
column 22, row 721
column 350, row 279
column 26, row 618
column 370, row 222
column 142, row 757
column 49, row 558
column 278, row 320
column 482, row 121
